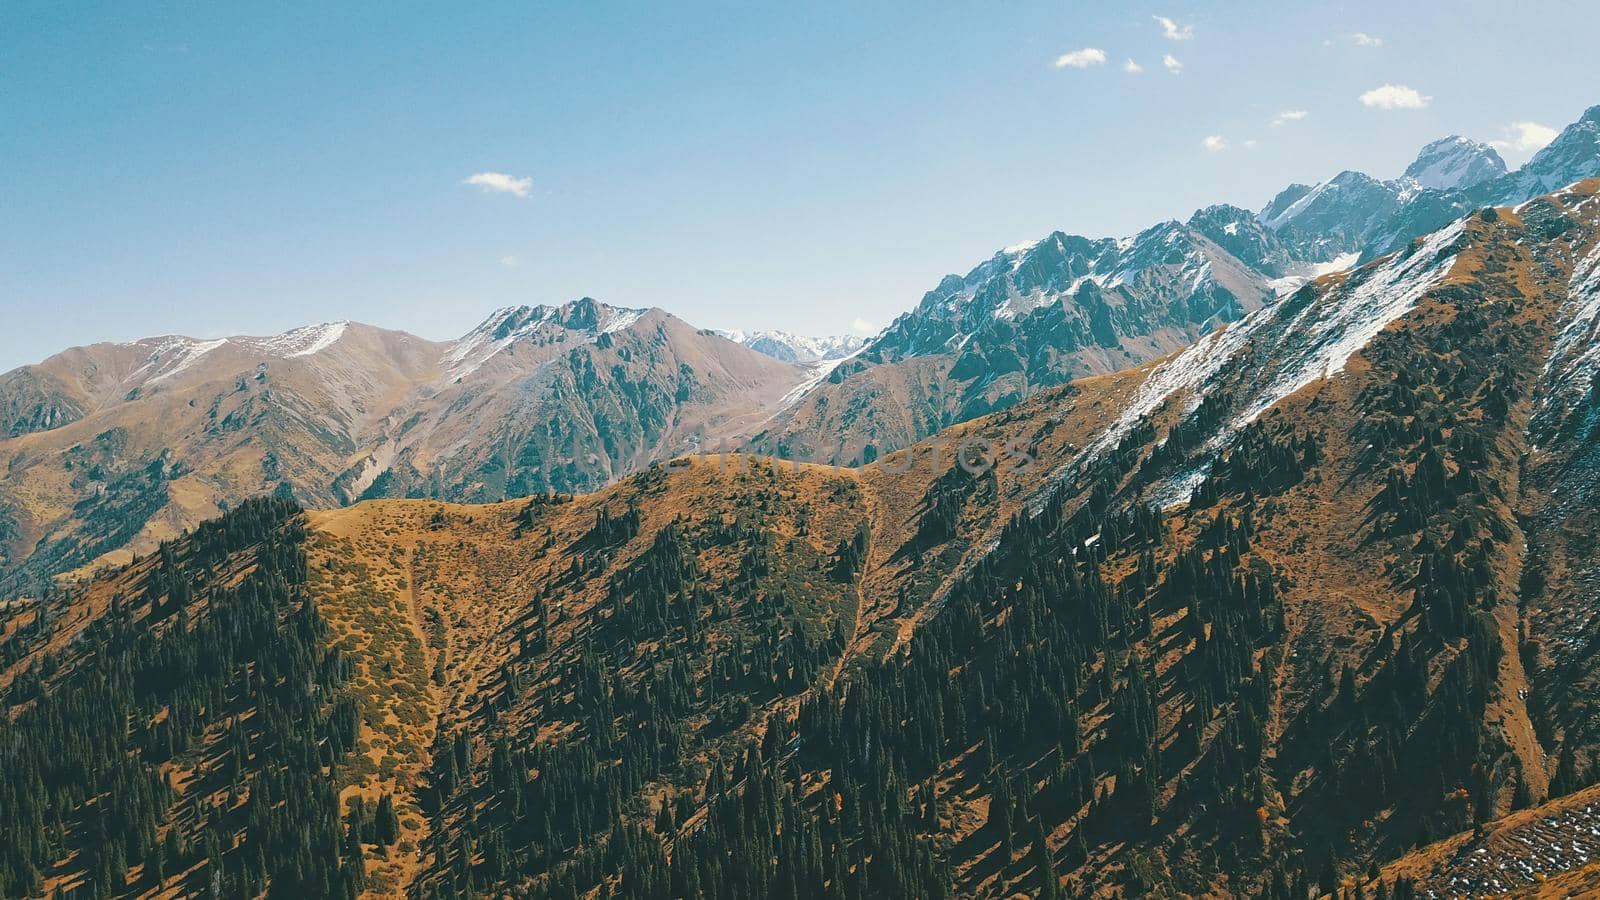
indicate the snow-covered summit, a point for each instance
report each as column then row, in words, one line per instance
column 307, row 341
column 1450, row 177
column 1279, row 349
column 796, row 348
column 1454, row 163
column 586, row 319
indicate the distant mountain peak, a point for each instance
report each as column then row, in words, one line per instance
column 504, row 327
column 1573, row 156
column 307, row 341
column 1454, row 163
column 797, row 348
column 1273, row 212
column 1356, row 213
column 1242, row 234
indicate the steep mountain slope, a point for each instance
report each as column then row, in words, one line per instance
column 84, row 380
column 183, row 722
column 1356, row 213
column 31, row 400
column 1543, row 851
column 172, row 431
column 1405, row 393
column 570, row 399
column 1455, row 163
column 1570, row 157
column 1340, row 215
column 119, row 446
column 1247, row 620
column 1034, row 316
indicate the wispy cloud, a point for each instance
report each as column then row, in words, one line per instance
column 1525, row 137
column 1287, row 116
column 1395, row 96
column 1362, row 39
column 510, row 262
column 1172, row 31
column 863, row 328
column 1081, row 59
column 1132, row 68
column 1171, row 62
column 1214, row 143
column 500, row 183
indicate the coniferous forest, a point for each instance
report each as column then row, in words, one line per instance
column 214, row 669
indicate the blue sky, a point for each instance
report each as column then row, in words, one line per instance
column 228, row 168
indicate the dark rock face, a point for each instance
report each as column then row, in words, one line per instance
column 31, row 401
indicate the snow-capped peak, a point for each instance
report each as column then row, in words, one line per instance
column 588, row 317
column 173, row 355
column 797, row 348
column 1454, row 163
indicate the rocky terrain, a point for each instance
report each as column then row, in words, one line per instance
column 115, row 447
column 1039, row 314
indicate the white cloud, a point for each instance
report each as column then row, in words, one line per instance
column 1289, row 115
column 1171, row 62
column 1215, row 143
column 1172, row 31
column 1362, row 39
column 1250, row 144
column 500, row 183
column 1132, row 68
column 1395, row 96
column 510, row 262
column 1081, row 59
column 1525, row 137
column 863, row 328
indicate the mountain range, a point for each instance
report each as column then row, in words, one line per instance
column 1302, row 609
column 112, row 448
column 1039, row 314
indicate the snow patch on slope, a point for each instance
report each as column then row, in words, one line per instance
column 1311, row 343
column 819, row 371
column 618, row 319
column 1325, row 335
column 177, row 355
column 476, row 347
column 307, row 341
column 1569, row 374
column 1288, row 284
column 1337, row 264
column 1453, row 163
column 1188, row 371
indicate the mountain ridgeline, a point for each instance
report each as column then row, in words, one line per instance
column 1270, row 616
column 110, row 449
column 116, row 447
column 1039, row 314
